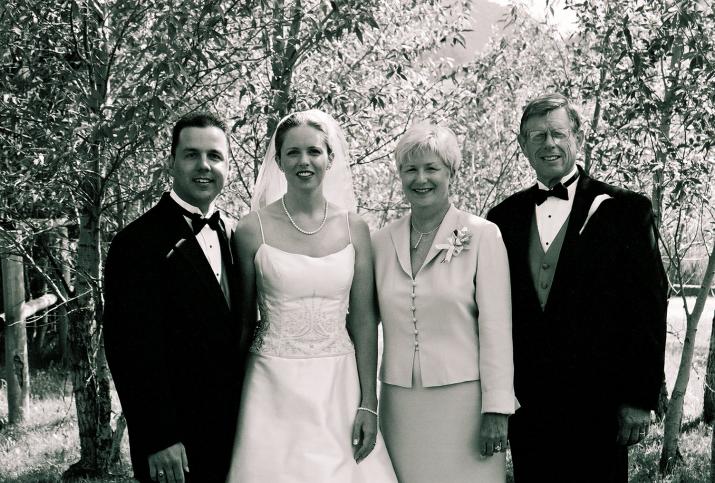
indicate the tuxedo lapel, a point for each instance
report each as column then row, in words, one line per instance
column 519, row 232
column 568, row 257
column 520, row 227
column 400, row 234
column 188, row 252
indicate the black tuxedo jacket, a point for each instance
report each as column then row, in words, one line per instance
column 172, row 343
column 600, row 340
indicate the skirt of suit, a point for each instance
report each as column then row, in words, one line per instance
column 432, row 433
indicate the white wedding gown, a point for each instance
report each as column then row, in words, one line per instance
column 301, row 390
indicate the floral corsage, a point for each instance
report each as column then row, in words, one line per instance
column 458, row 240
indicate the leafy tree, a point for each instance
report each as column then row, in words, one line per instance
column 647, row 68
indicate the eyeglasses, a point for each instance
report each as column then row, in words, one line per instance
column 539, row 137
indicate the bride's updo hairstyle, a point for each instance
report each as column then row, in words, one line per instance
column 304, row 118
column 429, row 138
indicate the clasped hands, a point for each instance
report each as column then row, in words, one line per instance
column 169, row 464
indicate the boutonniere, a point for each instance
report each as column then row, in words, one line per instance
column 594, row 206
column 457, row 241
column 178, row 244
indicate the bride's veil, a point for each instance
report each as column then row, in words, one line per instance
column 337, row 183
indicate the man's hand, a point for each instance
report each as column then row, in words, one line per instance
column 169, row 465
column 492, row 434
column 633, row 424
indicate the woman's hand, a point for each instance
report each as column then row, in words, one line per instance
column 364, row 434
column 492, row 434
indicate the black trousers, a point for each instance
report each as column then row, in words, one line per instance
column 557, row 446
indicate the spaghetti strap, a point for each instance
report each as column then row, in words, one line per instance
column 347, row 218
column 263, row 238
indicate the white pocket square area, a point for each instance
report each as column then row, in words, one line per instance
column 594, row 206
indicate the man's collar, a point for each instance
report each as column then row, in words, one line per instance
column 573, row 171
column 189, row 207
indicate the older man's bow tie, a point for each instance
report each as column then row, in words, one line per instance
column 558, row 191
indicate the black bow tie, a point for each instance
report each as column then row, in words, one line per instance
column 558, row 191
column 198, row 222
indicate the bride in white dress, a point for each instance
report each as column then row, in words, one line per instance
column 308, row 409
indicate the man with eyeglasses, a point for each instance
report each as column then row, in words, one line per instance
column 589, row 297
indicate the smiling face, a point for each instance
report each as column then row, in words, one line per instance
column 199, row 165
column 304, row 157
column 552, row 159
column 425, row 180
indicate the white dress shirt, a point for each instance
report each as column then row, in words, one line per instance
column 207, row 238
column 553, row 212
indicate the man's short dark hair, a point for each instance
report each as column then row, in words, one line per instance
column 196, row 119
column 547, row 103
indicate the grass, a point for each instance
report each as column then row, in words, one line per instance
column 48, row 443
column 40, row 450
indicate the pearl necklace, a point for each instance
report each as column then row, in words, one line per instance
column 421, row 234
column 295, row 225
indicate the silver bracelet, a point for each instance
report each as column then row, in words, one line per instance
column 369, row 411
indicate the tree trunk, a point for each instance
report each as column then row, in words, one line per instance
column 674, row 417
column 41, row 321
column 709, row 399
column 62, row 320
column 90, row 377
column 17, row 367
column 712, row 453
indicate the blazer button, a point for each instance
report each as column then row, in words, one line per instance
column 544, row 285
column 414, row 320
column 545, row 266
column 412, row 308
column 414, row 283
column 412, row 295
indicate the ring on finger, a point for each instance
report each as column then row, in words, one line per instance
column 160, row 474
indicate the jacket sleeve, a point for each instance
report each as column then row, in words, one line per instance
column 493, row 297
column 133, row 320
column 644, row 317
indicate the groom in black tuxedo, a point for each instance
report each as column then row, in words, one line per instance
column 171, row 334
column 589, row 308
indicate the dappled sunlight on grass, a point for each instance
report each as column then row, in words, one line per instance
column 42, row 448
column 694, row 446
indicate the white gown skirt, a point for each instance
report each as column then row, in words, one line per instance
column 295, row 424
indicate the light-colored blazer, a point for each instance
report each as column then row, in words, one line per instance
column 455, row 315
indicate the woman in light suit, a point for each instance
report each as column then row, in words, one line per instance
column 443, row 291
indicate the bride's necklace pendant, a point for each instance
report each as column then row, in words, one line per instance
column 421, row 234
column 295, row 225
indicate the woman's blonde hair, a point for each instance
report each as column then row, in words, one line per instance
column 429, row 138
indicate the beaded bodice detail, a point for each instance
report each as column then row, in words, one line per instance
column 303, row 302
